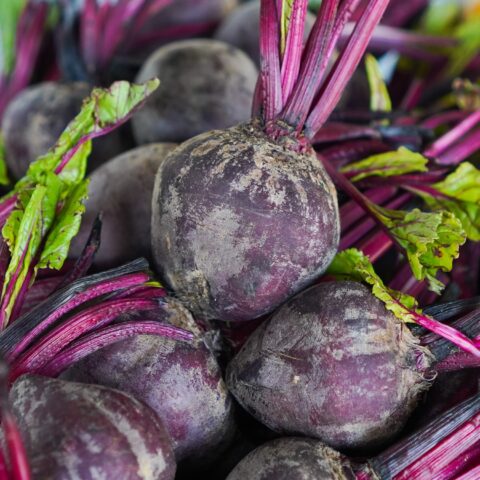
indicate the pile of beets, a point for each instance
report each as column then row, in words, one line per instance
column 240, row 240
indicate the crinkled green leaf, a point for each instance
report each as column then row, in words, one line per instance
column 352, row 264
column 287, row 6
column 4, row 180
column 101, row 112
column 66, row 226
column 431, row 240
column 387, row 164
column 24, row 235
column 458, row 193
column 10, row 11
column 379, row 96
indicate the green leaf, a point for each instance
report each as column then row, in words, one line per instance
column 10, row 11
column 440, row 16
column 353, row 265
column 431, row 240
column 386, row 164
column 469, row 45
column 66, row 226
column 101, row 112
column 24, row 234
column 4, row 180
column 458, row 193
column 379, row 96
column 285, row 22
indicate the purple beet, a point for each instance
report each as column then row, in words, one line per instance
column 121, row 190
column 181, row 382
column 241, row 29
column 246, row 217
column 40, row 113
column 205, row 84
column 74, row 431
column 334, row 364
column 240, row 222
column 293, row 459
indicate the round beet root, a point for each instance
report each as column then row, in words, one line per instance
column 74, row 431
column 205, row 84
column 240, row 222
column 181, row 382
column 293, row 459
column 122, row 190
column 334, row 364
column 40, row 114
column 241, row 29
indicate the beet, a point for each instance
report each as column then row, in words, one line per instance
column 240, row 222
column 121, row 190
column 293, row 459
column 90, row 432
column 334, row 364
column 181, row 382
column 40, row 114
column 205, row 84
column 241, row 29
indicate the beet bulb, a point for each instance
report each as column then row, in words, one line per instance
column 244, row 218
column 74, row 431
column 334, row 364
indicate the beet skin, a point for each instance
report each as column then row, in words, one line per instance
column 293, row 459
column 121, row 190
column 334, row 364
column 240, row 222
column 182, row 382
column 74, row 431
column 205, row 84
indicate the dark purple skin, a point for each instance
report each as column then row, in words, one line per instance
column 74, row 431
column 205, row 84
column 121, row 190
column 181, row 382
column 240, row 222
column 40, row 114
column 334, row 364
column 293, row 459
column 241, row 29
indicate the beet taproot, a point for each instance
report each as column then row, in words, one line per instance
column 205, row 84
column 76, row 431
column 121, row 190
column 240, row 222
column 181, row 382
column 334, row 364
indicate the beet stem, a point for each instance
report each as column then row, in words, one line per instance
column 462, row 150
column 106, row 336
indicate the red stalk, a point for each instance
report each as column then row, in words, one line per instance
column 89, row 294
column 105, row 336
column 68, row 331
column 293, row 48
column 444, row 118
column 456, row 154
column 345, row 66
column 447, row 140
column 18, row 456
column 473, row 474
column 318, row 51
column 270, row 60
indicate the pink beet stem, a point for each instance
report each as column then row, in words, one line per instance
column 318, row 51
column 459, row 152
column 91, row 293
column 447, row 140
column 473, row 474
column 345, row 66
column 103, row 337
column 83, row 322
column 270, row 60
column 18, row 456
